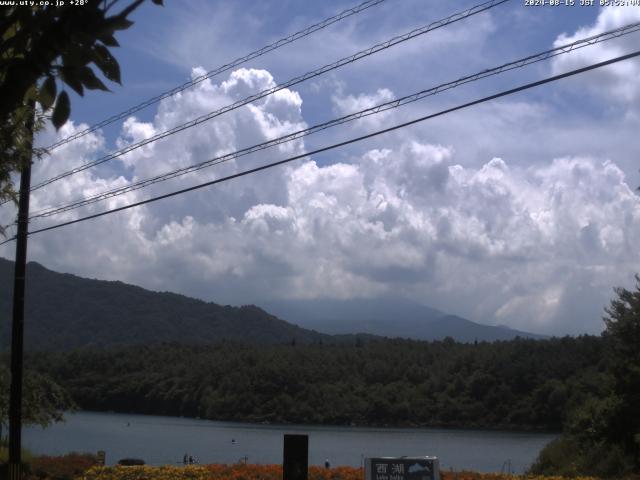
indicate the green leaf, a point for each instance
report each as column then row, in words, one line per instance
column 31, row 93
column 109, row 40
column 48, row 91
column 61, row 111
column 89, row 79
column 70, row 76
column 10, row 32
column 107, row 64
column 75, row 57
column 119, row 23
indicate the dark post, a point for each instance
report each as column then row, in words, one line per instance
column 296, row 457
column 17, row 329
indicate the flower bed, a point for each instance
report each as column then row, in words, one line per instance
column 264, row 472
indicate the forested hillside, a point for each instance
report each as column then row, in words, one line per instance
column 65, row 311
column 516, row 384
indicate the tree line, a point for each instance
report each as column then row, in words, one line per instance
column 524, row 384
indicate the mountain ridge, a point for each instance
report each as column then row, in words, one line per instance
column 66, row 311
column 73, row 312
column 389, row 317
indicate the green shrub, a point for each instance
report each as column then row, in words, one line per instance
column 610, row 461
column 559, row 457
column 568, row 457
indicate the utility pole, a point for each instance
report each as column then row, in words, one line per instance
column 17, row 328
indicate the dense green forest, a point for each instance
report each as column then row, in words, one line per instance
column 527, row 384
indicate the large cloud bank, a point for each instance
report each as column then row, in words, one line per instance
column 535, row 247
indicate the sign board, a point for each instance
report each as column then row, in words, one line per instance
column 402, row 468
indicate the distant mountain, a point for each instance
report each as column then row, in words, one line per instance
column 389, row 317
column 65, row 311
column 465, row 330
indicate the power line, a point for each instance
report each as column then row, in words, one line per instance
column 339, row 63
column 456, row 17
column 560, row 50
column 221, row 69
column 344, row 143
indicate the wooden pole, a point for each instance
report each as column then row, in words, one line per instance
column 17, row 328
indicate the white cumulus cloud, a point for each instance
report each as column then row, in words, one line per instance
column 537, row 247
column 615, row 81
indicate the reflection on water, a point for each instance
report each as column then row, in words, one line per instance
column 165, row 440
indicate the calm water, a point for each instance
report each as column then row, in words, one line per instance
column 164, row 440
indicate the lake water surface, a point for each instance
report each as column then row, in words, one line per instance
column 164, row 440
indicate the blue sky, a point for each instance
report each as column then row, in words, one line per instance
column 522, row 211
column 166, row 43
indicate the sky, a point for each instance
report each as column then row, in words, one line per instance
column 523, row 211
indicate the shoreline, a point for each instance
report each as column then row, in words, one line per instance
column 346, row 426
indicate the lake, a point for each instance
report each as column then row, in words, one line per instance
column 164, row 440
